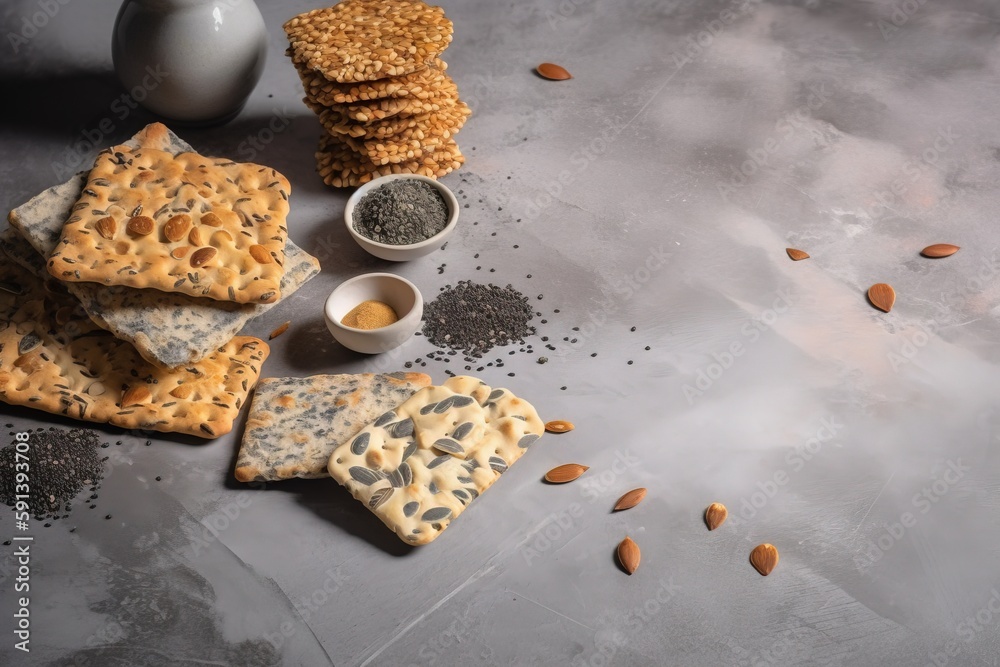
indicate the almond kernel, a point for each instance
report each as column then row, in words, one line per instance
column 629, row 555
column 260, row 254
column 630, row 499
column 135, row 396
column 176, row 228
column 201, row 256
column 559, row 426
column 565, row 473
column 107, row 227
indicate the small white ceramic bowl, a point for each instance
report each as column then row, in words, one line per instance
column 401, row 253
column 400, row 293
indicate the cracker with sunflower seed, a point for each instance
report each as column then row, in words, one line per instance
column 419, row 466
column 202, row 226
column 54, row 358
column 364, row 40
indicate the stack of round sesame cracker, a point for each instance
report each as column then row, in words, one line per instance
column 371, row 71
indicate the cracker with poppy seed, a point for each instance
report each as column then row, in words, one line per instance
column 419, row 466
column 295, row 423
column 54, row 358
column 142, row 204
column 167, row 328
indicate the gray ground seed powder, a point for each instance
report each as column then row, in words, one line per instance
column 401, row 212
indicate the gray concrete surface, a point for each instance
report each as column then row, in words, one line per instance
column 657, row 189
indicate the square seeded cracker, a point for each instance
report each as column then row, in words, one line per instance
column 184, row 223
column 419, row 466
column 445, row 120
column 54, row 358
column 341, row 166
column 422, row 84
column 167, row 329
column 366, row 40
column 296, row 423
column 365, row 113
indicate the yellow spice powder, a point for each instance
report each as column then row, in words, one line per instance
column 370, row 315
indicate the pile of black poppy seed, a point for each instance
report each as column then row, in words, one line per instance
column 401, row 212
column 61, row 464
column 472, row 318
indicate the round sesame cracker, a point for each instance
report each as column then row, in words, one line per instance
column 366, row 40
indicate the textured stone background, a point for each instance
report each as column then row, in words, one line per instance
column 657, row 189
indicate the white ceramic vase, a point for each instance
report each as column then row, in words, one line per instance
column 191, row 61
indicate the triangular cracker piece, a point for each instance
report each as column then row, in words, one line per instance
column 167, row 329
column 54, row 358
column 296, row 423
column 177, row 223
column 419, row 466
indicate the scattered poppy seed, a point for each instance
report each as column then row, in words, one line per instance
column 62, row 464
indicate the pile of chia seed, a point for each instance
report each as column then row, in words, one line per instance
column 61, row 464
column 473, row 318
column 401, row 212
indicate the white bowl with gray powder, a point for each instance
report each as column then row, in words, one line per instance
column 401, row 216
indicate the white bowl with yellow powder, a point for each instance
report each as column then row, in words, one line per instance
column 374, row 312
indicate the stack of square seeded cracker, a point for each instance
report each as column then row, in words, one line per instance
column 371, row 71
column 127, row 286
